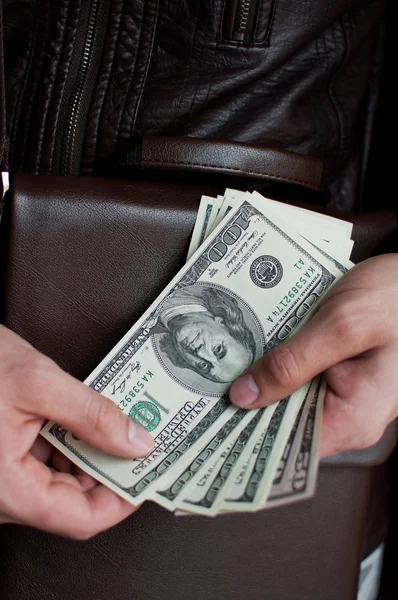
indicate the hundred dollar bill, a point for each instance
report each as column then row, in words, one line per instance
column 297, row 473
column 330, row 228
column 328, row 233
column 251, row 486
column 203, row 224
column 312, row 226
column 225, row 208
column 238, row 479
column 248, row 287
column 217, row 205
column 206, row 221
column 250, row 458
column 206, row 494
column 280, row 419
column 212, row 493
column 212, row 500
column 211, row 455
column 333, row 228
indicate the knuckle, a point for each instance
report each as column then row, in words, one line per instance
column 100, row 415
column 344, row 379
column 27, row 373
column 283, row 368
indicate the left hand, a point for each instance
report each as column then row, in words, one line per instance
column 39, row 486
column 353, row 338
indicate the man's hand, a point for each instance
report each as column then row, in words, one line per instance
column 353, row 338
column 59, row 498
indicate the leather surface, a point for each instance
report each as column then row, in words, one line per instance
column 308, row 551
column 213, row 156
column 95, row 253
column 166, row 70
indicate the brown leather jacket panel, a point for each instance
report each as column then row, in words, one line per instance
column 297, row 82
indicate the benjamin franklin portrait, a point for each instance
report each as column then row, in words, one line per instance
column 206, row 331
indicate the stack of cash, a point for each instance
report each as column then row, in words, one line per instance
column 256, row 271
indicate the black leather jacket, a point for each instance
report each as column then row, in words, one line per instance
column 81, row 77
column 300, row 75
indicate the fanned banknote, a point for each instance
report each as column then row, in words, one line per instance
column 296, row 477
column 330, row 236
column 250, row 284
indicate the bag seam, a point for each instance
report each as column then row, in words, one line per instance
column 233, row 169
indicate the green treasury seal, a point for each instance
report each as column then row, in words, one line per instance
column 146, row 414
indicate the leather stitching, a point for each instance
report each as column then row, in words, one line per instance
column 233, row 169
column 148, row 62
column 105, row 94
column 134, row 83
column 42, row 44
column 51, row 87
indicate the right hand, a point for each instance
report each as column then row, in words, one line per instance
column 39, row 486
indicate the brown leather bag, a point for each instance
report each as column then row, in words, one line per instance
column 83, row 258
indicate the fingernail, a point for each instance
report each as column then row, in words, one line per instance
column 244, row 391
column 140, row 439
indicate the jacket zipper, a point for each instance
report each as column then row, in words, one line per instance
column 242, row 18
column 79, row 87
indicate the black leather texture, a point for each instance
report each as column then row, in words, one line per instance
column 165, row 69
column 308, row 551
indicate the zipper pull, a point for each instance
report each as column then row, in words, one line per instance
column 242, row 20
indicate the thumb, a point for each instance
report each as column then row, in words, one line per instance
column 324, row 341
column 91, row 417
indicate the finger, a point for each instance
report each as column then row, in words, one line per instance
column 81, row 481
column 42, row 450
column 359, row 402
column 90, row 416
column 45, row 452
column 68, row 478
column 338, row 331
column 86, row 481
column 57, row 503
column 336, row 431
column 62, row 464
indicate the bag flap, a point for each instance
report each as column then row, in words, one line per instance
column 86, row 256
